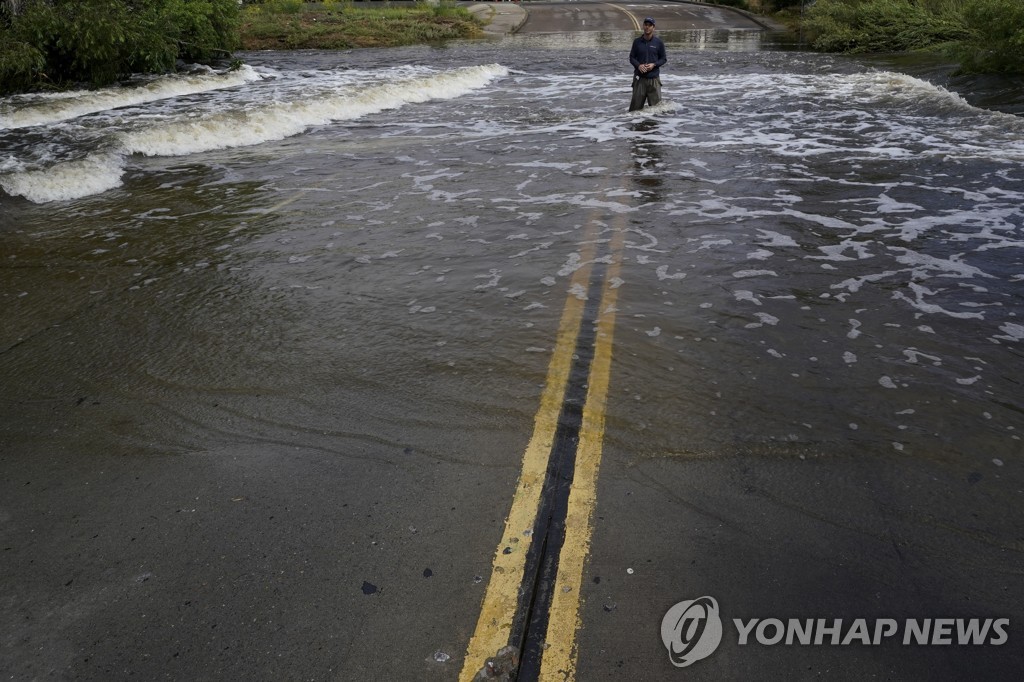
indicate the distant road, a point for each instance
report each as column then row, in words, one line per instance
column 561, row 17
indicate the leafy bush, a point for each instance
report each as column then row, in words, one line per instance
column 983, row 35
column 100, row 41
column 19, row 64
column 283, row 6
column 995, row 40
column 879, row 26
column 203, row 29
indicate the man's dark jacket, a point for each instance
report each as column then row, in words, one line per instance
column 648, row 52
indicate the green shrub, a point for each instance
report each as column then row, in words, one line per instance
column 446, row 8
column 20, row 65
column 283, row 6
column 983, row 35
column 995, row 40
column 100, row 41
column 203, row 29
column 879, row 26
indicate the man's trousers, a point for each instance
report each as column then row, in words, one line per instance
column 645, row 90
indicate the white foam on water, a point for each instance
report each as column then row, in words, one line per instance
column 539, row 247
column 544, row 164
column 836, row 252
column 745, row 295
column 663, row 274
column 493, row 277
column 919, row 303
column 950, row 267
column 913, row 356
column 873, row 115
column 764, row 318
column 1011, row 332
column 579, row 291
column 249, row 124
column 94, row 174
column 69, row 105
column 10, row 164
column 711, row 243
column 743, row 274
column 279, row 120
column 854, row 284
column 572, row 263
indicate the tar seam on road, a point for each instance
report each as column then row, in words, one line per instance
column 532, row 599
column 529, row 628
column 559, row 661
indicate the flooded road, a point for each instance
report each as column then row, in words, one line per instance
column 274, row 342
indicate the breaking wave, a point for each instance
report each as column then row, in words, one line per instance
column 234, row 124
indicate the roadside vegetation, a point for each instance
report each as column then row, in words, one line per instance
column 983, row 36
column 340, row 24
column 55, row 44
column 48, row 44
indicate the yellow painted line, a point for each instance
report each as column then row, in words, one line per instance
column 636, row 23
column 502, row 597
column 559, row 659
column 281, row 204
column 299, row 193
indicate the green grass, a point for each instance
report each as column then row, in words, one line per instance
column 291, row 24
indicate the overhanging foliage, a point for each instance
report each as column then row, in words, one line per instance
column 99, row 41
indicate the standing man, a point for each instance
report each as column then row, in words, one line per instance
column 647, row 58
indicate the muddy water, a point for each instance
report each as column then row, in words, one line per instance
column 819, row 251
column 318, row 282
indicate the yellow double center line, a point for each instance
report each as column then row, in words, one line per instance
column 636, row 23
column 502, row 599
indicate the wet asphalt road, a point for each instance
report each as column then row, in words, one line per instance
column 299, row 536
column 561, row 17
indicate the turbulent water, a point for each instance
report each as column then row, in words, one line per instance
column 819, row 250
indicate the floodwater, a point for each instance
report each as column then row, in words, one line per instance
column 824, row 257
column 819, row 250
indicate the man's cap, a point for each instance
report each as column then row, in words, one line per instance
column 649, row 20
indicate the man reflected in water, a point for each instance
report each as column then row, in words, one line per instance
column 647, row 57
column 648, row 165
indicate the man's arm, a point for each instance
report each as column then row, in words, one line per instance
column 662, row 56
column 633, row 56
